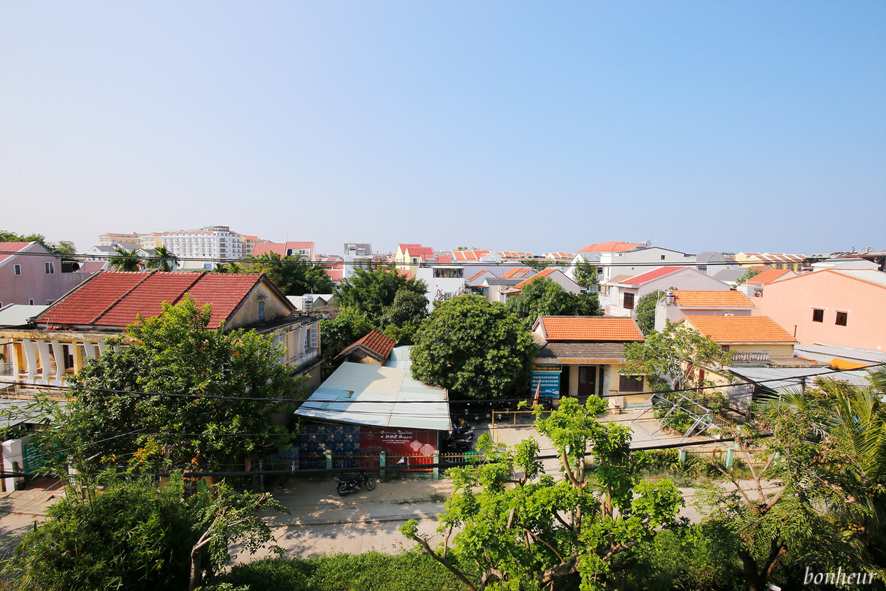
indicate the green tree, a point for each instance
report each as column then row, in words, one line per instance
column 124, row 260
column 342, row 331
column 173, row 396
column 293, row 275
column 163, row 260
column 586, row 276
column 6, row 236
column 372, row 292
column 646, row 311
column 137, row 535
column 524, row 529
column 404, row 316
column 543, row 297
column 474, row 348
column 749, row 274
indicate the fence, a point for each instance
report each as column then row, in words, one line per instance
column 378, row 462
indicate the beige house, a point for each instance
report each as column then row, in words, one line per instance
column 582, row 356
column 62, row 339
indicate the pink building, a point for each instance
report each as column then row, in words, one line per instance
column 31, row 274
column 831, row 307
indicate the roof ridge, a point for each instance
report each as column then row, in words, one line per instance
column 187, row 289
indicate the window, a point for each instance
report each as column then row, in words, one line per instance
column 817, row 315
column 662, row 257
column 17, row 269
column 629, row 301
column 842, row 317
column 630, row 383
column 702, row 269
column 261, row 310
column 30, row 301
column 49, row 268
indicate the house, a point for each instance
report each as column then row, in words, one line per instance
column 582, row 356
column 372, row 349
column 409, row 256
column 554, row 275
column 31, row 274
column 620, row 295
column 677, row 303
column 752, row 339
column 869, row 254
column 63, row 338
column 775, row 260
column 628, row 258
column 444, row 282
column 711, row 262
column 285, row 249
column 366, row 409
column 832, row 307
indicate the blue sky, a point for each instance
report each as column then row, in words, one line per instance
column 540, row 126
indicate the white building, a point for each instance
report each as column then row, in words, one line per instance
column 204, row 248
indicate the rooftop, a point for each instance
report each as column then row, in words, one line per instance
column 711, row 299
column 740, row 329
column 611, row 247
column 588, row 328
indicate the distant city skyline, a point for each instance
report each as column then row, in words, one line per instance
column 535, row 127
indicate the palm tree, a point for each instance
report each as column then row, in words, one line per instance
column 126, row 260
column 163, row 259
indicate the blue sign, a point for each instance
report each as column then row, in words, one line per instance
column 547, row 383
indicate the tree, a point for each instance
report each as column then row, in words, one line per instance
column 293, row 275
column 173, row 396
column 372, row 292
column 403, row 317
column 6, row 236
column 646, row 311
column 124, row 260
column 749, row 274
column 586, row 276
column 543, row 297
column 137, row 535
column 523, row 529
column 342, row 331
column 474, row 348
column 163, row 260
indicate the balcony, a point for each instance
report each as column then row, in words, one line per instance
column 761, row 357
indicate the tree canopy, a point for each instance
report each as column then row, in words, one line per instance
column 342, row 331
column 646, row 311
column 124, row 260
column 172, row 397
column 544, row 297
column 373, row 292
column 163, row 260
column 524, row 529
column 474, row 348
column 293, row 275
column 586, row 275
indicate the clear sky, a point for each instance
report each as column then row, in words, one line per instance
column 511, row 125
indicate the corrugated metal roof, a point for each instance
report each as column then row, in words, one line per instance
column 18, row 314
column 379, row 396
column 789, row 379
column 869, row 275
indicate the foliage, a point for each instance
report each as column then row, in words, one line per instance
column 293, row 275
column 474, row 348
column 147, row 403
column 371, row 571
column 403, row 317
column 525, row 530
column 537, row 264
column 124, row 260
column 372, row 293
column 340, row 332
column 544, row 297
column 646, row 311
column 163, row 260
column 748, row 275
column 7, row 236
column 136, row 535
column 586, row 275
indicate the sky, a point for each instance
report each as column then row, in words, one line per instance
column 530, row 126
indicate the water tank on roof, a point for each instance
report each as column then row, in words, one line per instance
column 308, row 304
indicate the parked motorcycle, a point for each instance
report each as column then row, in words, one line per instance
column 459, row 444
column 348, row 485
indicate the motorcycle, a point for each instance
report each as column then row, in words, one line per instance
column 458, row 444
column 349, row 485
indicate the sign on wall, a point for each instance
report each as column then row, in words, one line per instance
column 398, row 441
column 545, row 380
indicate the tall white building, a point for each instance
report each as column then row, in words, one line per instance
column 204, row 248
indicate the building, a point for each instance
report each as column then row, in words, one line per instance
column 305, row 250
column 775, row 260
column 410, row 256
column 31, row 274
column 582, row 356
column 205, row 248
column 751, row 339
column 62, row 339
column 373, row 349
column 553, row 275
column 833, row 307
column 112, row 238
column 620, row 295
column 677, row 303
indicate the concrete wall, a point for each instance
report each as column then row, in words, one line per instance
column 34, row 285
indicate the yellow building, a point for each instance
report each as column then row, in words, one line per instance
column 775, row 260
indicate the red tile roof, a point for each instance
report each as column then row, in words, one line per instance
column 374, row 342
column 651, row 275
column 539, row 275
column 468, row 255
column 115, row 299
column 769, row 275
column 610, row 247
column 444, row 259
column 711, row 299
column 280, row 248
column 407, row 273
column 517, row 273
column 478, row 275
column 740, row 329
column 590, row 328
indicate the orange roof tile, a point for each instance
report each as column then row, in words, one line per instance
column 539, row 275
column 610, row 247
column 711, row 299
column 517, row 273
column 478, row 275
column 375, row 342
column 740, row 329
column 768, row 276
column 590, row 328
